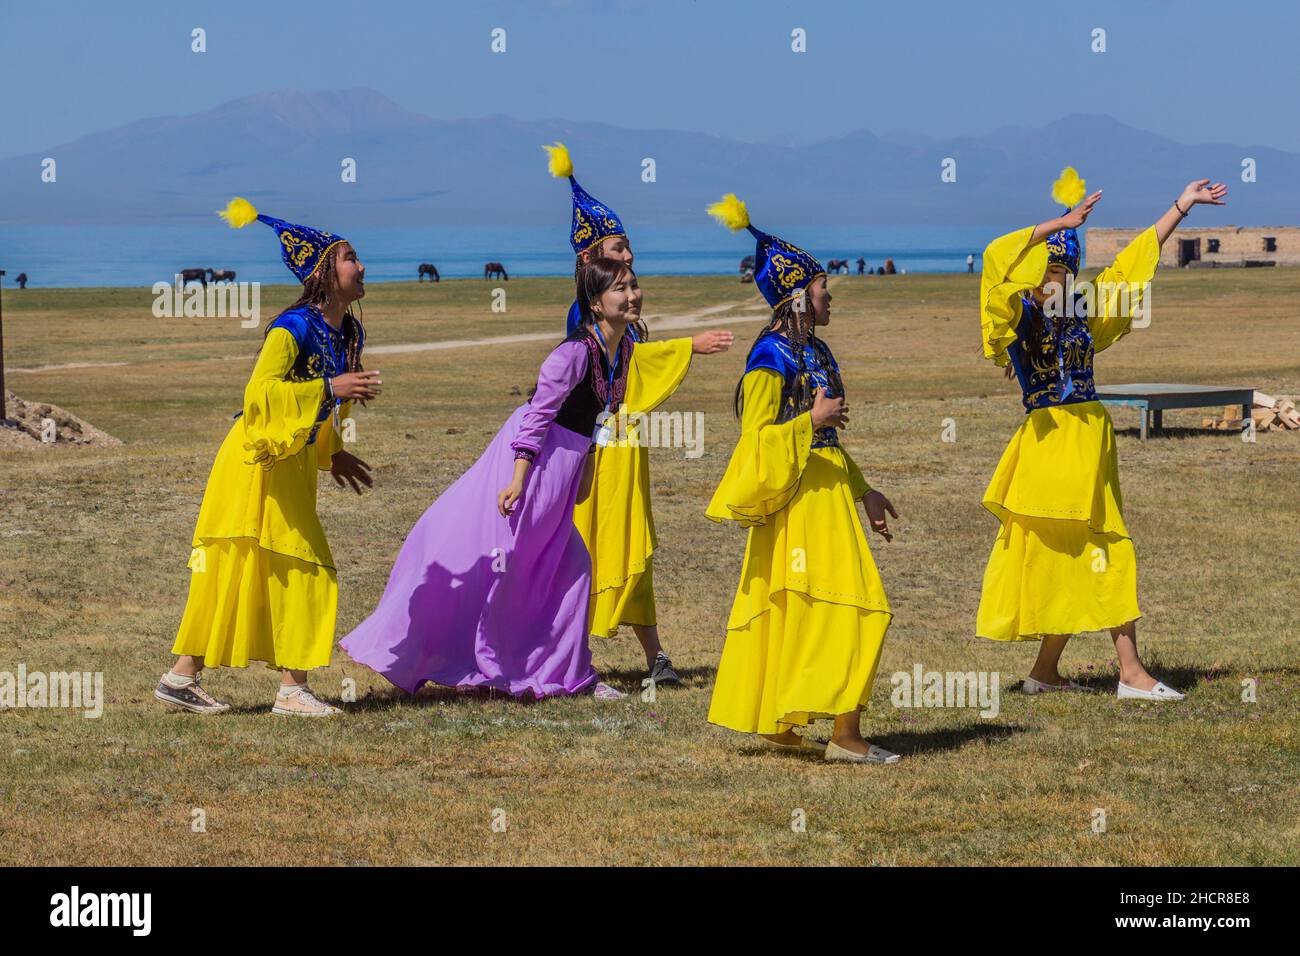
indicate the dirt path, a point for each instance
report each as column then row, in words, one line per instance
column 711, row 316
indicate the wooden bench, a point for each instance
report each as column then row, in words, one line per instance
column 1151, row 399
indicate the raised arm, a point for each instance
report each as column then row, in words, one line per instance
column 1199, row 192
column 1073, row 219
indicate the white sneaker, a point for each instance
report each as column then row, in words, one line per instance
column 603, row 691
column 1031, row 686
column 1161, row 691
column 874, row 754
column 301, row 702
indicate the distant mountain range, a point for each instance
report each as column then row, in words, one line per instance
column 283, row 151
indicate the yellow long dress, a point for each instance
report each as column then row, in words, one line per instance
column 809, row 617
column 262, row 580
column 615, row 519
column 1063, row 561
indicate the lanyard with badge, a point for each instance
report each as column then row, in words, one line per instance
column 603, row 433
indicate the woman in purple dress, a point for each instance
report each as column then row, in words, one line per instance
column 492, row 587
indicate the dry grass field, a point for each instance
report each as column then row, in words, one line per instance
column 94, row 543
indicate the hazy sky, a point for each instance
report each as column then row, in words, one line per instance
column 1193, row 71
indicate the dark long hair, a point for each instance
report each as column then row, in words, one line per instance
column 786, row 319
column 593, row 279
column 639, row 326
column 316, row 292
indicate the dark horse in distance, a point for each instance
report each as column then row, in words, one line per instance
column 495, row 270
column 430, row 270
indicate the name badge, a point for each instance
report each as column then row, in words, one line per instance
column 602, row 434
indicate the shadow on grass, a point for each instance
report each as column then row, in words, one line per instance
column 1179, row 432
column 629, row 679
column 908, row 743
column 914, row 743
column 1180, row 677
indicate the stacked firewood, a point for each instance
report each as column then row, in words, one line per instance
column 1269, row 414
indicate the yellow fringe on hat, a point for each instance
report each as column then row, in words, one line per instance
column 1069, row 189
column 559, row 163
column 239, row 212
column 731, row 212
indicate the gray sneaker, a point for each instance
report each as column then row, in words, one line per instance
column 191, row 697
column 662, row 671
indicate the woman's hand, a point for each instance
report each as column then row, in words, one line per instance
column 356, row 385
column 1077, row 216
column 827, row 411
column 508, row 497
column 711, row 342
column 1202, row 192
column 876, row 505
column 347, row 465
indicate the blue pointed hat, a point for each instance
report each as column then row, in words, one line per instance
column 782, row 269
column 1063, row 245
column 592, row 219
column 302, row 247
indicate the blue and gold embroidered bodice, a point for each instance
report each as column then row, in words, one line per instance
column 776, row 352
column 322, row 352
column 1058, row 371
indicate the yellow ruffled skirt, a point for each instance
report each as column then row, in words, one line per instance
column 617, row 526
column 810, row 614
column 253, row 596
column 1063, row 562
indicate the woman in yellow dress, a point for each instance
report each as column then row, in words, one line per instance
column 1063, row 561
column 809, row 618
column 262, row 584
column 615, row 520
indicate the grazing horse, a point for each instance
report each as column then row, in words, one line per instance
column 221, row 275
column 494, row 270
column 22, row 280
column 195, row 275
column 430, row 270
column 835, row 265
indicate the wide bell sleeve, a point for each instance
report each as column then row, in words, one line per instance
column 328, row 440
column 657, row 369
column 278, row 414
column 769, row 459
column 857, row 482
column 1118, row 290
column 559, row 375
column 1012, row 266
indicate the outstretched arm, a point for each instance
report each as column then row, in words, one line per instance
column 1196, row 192
column 1073, row 219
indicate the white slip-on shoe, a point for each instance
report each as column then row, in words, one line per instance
column 1161, row 691
column 874, row 754
column 1031, row 686
column 301, row 702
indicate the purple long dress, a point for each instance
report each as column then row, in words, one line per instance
column 478, row 600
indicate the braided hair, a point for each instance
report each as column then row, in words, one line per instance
column 797, row 396
column 316, row 292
